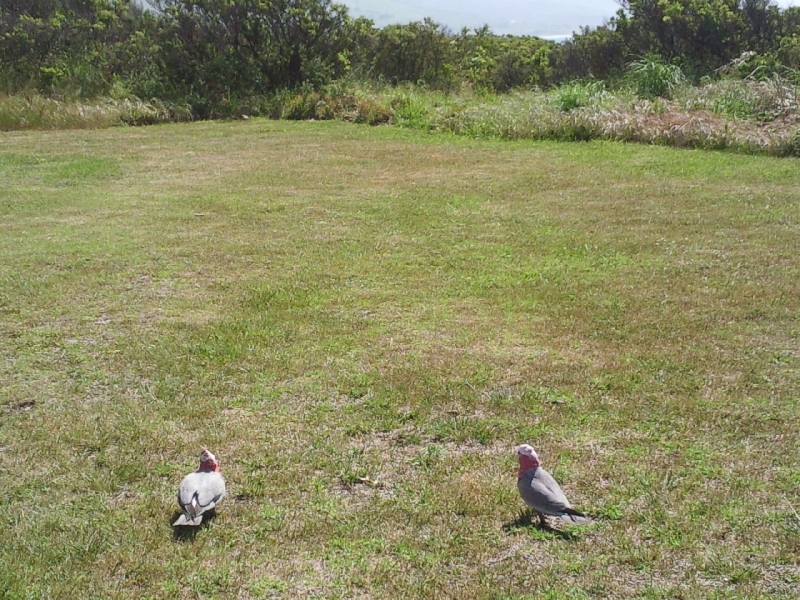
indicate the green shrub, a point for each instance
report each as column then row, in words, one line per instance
column 578, row 94
column 300, row 106
column 409, row 111
column 734, row 105
column 655, row 78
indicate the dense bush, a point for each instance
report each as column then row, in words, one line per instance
column 417, row 53
column 502, row 63
column 229, row 57
column 73, row 47
column 699, row 36
column 215, row 52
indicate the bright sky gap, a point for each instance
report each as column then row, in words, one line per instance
column 551, row 19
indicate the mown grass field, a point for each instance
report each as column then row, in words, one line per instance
column 362, row 323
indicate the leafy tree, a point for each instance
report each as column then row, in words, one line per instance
column 762, row 22
column 63, row 46
column 501, row 63
column 218, row 49
column 520, row 61
column 358, row 56
column 599, row 53
column 700, row 34
column 419, row 52
column 790, row 21
column 789, row 52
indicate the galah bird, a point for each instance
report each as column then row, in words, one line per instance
column 200, row 491
column 541, row 492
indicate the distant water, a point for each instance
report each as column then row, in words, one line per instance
column 557, row 38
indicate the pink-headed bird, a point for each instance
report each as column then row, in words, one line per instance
column 541, row 492
column 200, row 491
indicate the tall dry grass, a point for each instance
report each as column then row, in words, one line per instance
column 762, row 101
column 32, row 111
column 746, row 116
column 743, row 116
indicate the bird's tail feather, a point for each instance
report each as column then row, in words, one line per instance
column 183, row 521
column 575, row 517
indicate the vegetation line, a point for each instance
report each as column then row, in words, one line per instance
column 749, row 116
column 722, row 74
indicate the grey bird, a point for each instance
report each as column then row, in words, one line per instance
column 541, row 492
column 200, row 491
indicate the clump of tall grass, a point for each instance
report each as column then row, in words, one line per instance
column 745, row 116
column 577, row 111
column 532, row 115
column 32, row 111
column 339, row 101
column 354, row 102
column 410, row 110
column 762, row 100
column 654, row 78
column 578, row 94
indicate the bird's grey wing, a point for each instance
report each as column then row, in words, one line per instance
column 541, row 492
column 555, row 493
column 187, row 489
column 210, row 491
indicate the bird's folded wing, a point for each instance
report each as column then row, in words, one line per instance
column 211, row 491
column 547, row 489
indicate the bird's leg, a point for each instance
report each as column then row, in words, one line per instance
column 542, row 520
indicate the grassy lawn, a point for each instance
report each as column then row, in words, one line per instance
column 361, row 323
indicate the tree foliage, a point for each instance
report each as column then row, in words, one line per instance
column 212, row 49
column 419, row 52
column 501, row 63
column 73, row 44
column 215, row 54
column 699, row 36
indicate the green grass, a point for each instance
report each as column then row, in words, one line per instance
column 362, row 323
